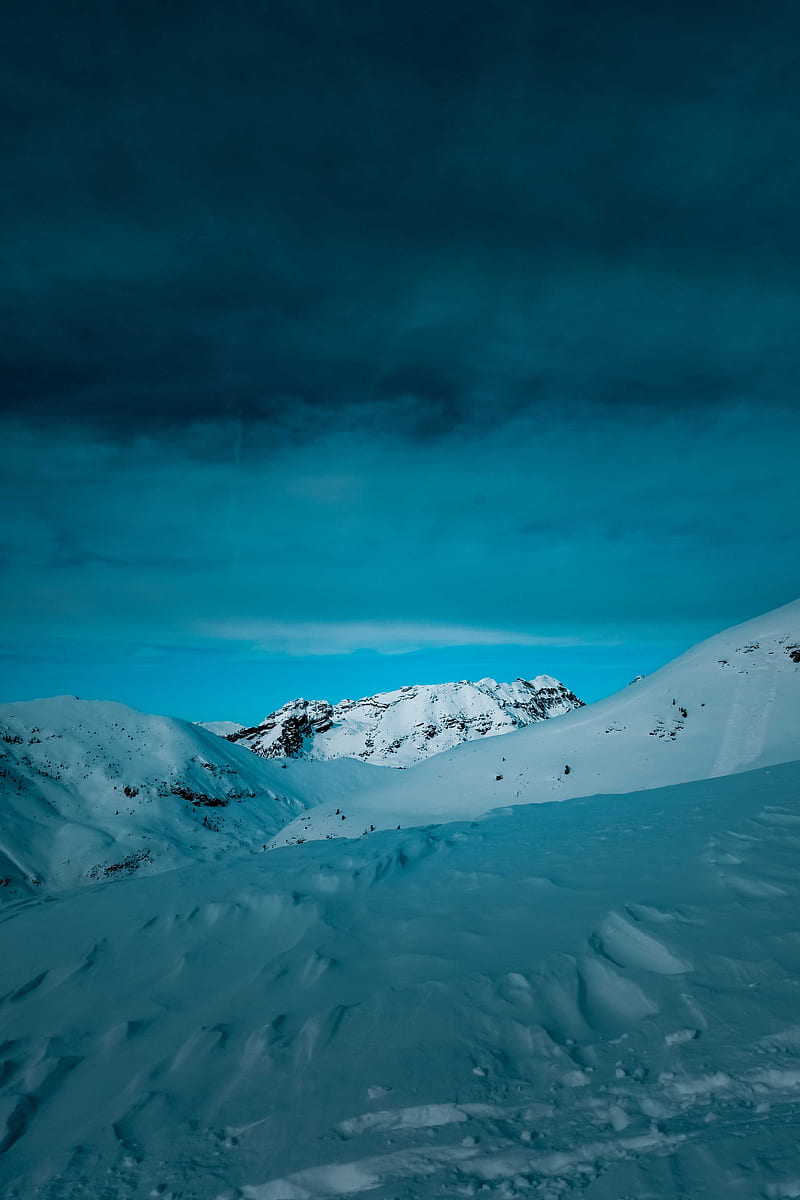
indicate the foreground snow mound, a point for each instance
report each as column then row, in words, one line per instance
column 592, row 1000
column 730, row 704
column 400, row 728
column 93, row 790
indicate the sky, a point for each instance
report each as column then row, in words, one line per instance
column 355, row 344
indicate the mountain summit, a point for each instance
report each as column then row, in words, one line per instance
column 404, row 727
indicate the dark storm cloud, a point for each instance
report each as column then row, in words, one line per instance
column 352, row 328
column 403, row 214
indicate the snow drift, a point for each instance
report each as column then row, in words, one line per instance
column 594, row 999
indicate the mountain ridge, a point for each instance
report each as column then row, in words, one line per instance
column 407, row 725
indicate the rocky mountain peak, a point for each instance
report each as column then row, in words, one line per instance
column 401, row 727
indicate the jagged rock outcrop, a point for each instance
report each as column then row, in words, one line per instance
column 402, row 727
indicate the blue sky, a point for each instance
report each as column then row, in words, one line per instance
column 357, row 345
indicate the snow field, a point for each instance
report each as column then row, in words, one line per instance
column 561, row 1000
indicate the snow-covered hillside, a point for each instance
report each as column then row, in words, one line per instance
column 403, row 727
column 594, row 1000
column 92, row 790
column 221, row 728
column 730, row 704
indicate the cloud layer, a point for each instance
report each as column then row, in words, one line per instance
column 304, row 638
column 420, row 216
column 383, row 326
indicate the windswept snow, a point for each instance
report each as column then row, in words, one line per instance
column 567, row 1000
column 400, row 728
column 730, row 704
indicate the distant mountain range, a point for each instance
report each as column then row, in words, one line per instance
column 95, row 790
column 401, row 728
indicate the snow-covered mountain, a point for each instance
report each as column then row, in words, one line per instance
column 403, row 727
column 580, row 1001
column 730, row 704
column 95, row 790
column 221, row 728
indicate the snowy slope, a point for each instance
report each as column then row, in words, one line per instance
column 595, row 1000
column 729, row 704
column 91, row 789
column 403, row 727
column 221, row 728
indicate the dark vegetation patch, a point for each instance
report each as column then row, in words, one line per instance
column 128, row 864
column 197, row 798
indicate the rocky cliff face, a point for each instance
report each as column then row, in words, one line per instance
column 400, row 728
